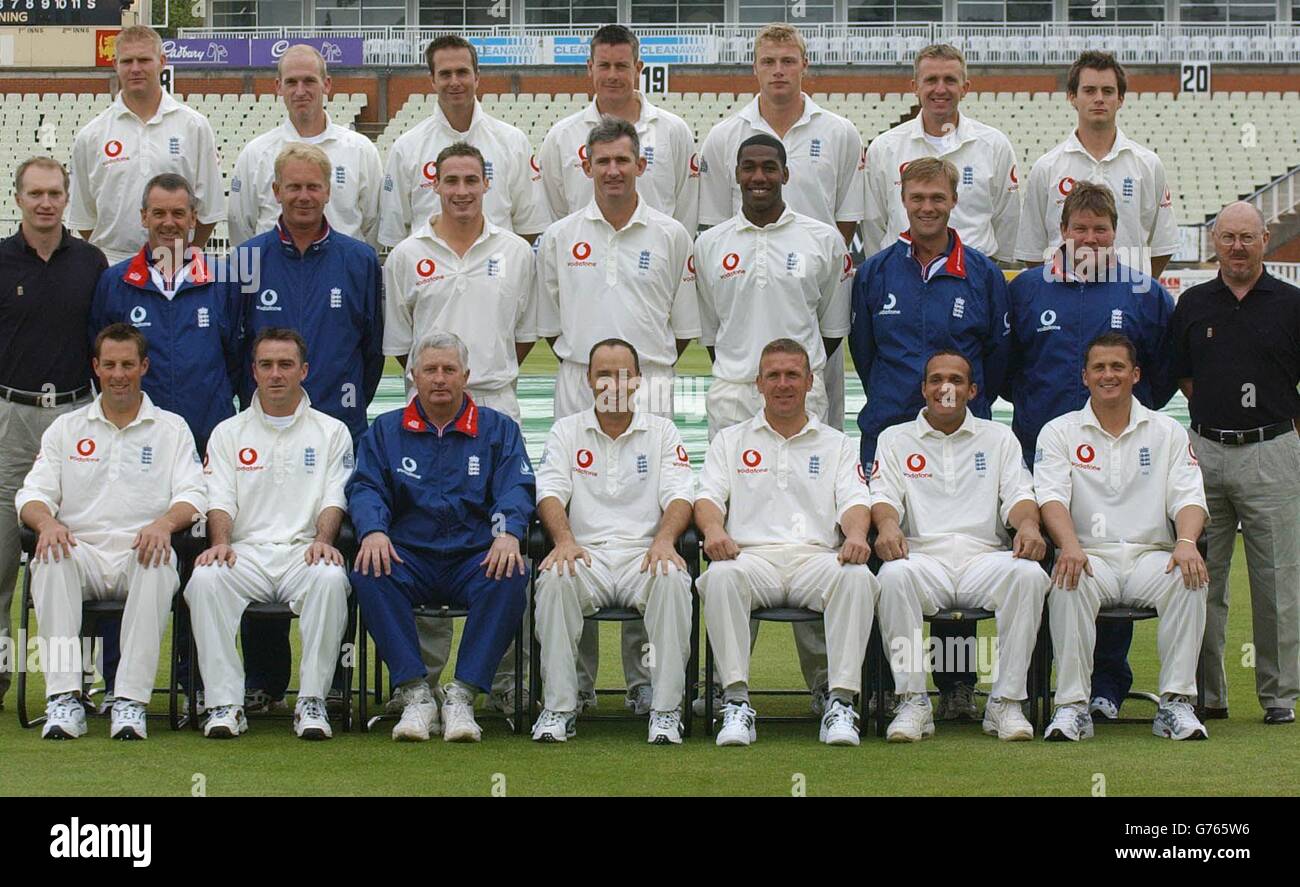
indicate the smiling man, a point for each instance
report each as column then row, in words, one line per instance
column 988, row 211
column 1146, row 230
column 143, row 133
column 102, row 538
column 409, row 196
column 1121, row 494
column 671, row 180
column 355, row 176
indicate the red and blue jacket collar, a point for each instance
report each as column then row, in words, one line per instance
column 286, row 239
column 954, row 262
column 137, row 270
column 414, row 420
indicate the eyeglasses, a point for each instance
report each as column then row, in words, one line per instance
column 1246, row 240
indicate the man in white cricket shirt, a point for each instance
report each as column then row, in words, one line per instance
column 672, row 177
column 143, row 133
column 275, row 476
column 944, row 490
column 460, row 273
column 303, row 84
column 1097, row 151
column 113, row 481
column 765, row 273
column 825, row 153
column 409, row 196
column 1121, row 493
column 784, row 508
column 987, row 213
column 617, row 268
column 625, row 478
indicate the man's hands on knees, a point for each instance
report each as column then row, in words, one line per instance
column 719, row 546
column 659, row 556
column 1071, row 563
column 891, row 544
column 376, row 551
column 1029, row 543
column 503, row 557
column 564, row 556
column 855, row 550
column 54, row 540
column 323, row 552
column 153, row 544
column 222, row 555
column 1189, row 561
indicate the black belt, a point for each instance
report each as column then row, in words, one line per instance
column 1253, row 435
column 33, row 399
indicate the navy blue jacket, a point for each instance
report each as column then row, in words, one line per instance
column 900, row 319
column 447, row 493
column 1053, row 318
column 195, row 338
column 333, row 295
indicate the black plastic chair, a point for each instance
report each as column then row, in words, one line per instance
column 688, row 546
column 187, row 547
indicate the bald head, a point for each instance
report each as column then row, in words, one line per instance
column 302, row 53
column 1240, row 240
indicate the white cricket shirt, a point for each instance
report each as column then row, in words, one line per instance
column 671, row 179
column 1125, row 489
column 513, row 200
column 1134, row 175
column 635, row 284
column 106, row 483
column 355, row 180
column 616, row 490
column 823, row 153
column 487, row 298
column 791, row 278
column 275, row 482
column 116, row 154
column 987, row 213
column 775, row 491
column 953, row 492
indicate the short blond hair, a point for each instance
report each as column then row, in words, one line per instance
column 140, row 34
column 927, row 169
column 302, row 151
column 944, row 52
column 780, row 33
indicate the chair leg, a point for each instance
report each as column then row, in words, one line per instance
column 350, row 636
column 882, row 669
column 708, row 685
column 519, row 681
column 364, row 676
column 173, row 693
column 192, row 681
column 692, row 665
column 23, row 633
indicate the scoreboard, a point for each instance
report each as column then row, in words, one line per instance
column 60, row 13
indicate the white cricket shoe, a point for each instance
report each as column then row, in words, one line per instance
column 839, row 724
column 225, row 722
column 1070, row 723
column 310, row 720
column 1005, row 719
column 555, row 726
column 65, row 717
column 639, row 701
column 1176, row 719
column 419, row 713
column 737, row 724
column 665, row 727
column 458, row 724
column 128, row 720
column 914, row 721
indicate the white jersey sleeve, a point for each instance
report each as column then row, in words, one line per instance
column 1052, row 481
column 553, row 479
column 553, row 176
column 371, row 176
column 875, row 221
column 850, row 481
column 1184, row 486
column 188, row 483
column 686, row 204
column 219, row 473
column 241, row 208
column 526, row 314
column 709, row 321
column 715, row 478
column 887, row 486
column 44, row 481
column 528, row 211
column 209, row 192
column 1015, row 484
column 1006, row 202
column 1032, row 236
column 835, row 305
column 82, row 213
column 1163, row 239
column 547, row 282
column 399, row 307
column 849, row 194
column 341, row 463
column 395, row 200
column 684, row 316
column 675, row 479
column 715, row 183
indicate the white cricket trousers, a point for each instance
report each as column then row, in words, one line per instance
column 272, row 573
column 730, row 403
column 919, row 585
column 59, row 587
column 789, row 576
column 1127, row 575
column 614, row 579
column 573, row 392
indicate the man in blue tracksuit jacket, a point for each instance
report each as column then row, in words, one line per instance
column 441, row 500
column 305, row 276
column 927, row 292
column 1056, row 310
column 189, row 311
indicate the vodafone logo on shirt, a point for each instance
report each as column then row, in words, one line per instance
column 751, row 462
column 848, row 267
column 694, row 164
column 1065, row 186
column 1084, row 454
column 535, row 167
column 430, row 170
column 581, row 252
column 112, row 148
column 731, row 266
column 583, row 461
column 248, row 460
column 683, row 457
column 425, row 270
column 862, row 472
column 915, row 464
column 85, row 451
column 582, row 152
